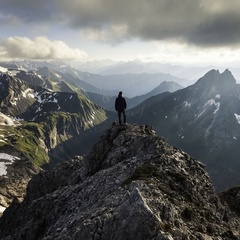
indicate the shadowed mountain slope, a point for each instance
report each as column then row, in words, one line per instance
column 204, row 120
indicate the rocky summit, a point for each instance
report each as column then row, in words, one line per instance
column 132, row 185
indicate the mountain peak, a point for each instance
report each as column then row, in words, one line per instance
column 132, row 185
column 228, row 77
column 222, row 82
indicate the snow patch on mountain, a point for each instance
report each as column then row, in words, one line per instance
column 3, row 69
column 5, row 120
column 6, row 159
column 37, row 95
column 210, row 103
column 45, row 97
column 200, row 114
column 92, row 116
column 213, row 102
column 49, row 98
column 187, row 104
column 14, row 102
column 2, row 209
column 237, row 117
column 13, row 73
column 28, row 93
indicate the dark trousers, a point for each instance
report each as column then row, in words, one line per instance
column 120, row 117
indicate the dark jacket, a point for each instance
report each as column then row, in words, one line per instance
column 120, row 104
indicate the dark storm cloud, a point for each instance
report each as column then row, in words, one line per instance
column 204, row 23
column 28, row 10
column 218, row 30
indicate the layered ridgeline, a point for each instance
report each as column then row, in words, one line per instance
column 38, row 125
column 132, row 185
column 68, row 79
column 202, row 119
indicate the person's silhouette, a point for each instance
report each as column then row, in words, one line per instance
column 120, row 107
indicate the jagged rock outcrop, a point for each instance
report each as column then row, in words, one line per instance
column 132, row 185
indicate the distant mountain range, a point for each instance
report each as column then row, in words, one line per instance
column 189, row 73
column 131, row 85
column 99, row 91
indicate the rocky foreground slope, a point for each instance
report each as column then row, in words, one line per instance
column 132, row 185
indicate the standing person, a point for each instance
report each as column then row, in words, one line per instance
column 120, row 107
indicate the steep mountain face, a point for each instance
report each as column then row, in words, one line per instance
column 32, row 103
column 15, row 95
column 202, row 119
column 16, row 168
column 132, row 185
column 56, row 118
column 15, row 173
column 51, row 127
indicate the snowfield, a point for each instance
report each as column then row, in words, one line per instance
column 2, row 209
column 3, row 70
column 5, row 120
column 237, row 117
column 6, row 159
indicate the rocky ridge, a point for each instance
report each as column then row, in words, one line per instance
column 132, row 185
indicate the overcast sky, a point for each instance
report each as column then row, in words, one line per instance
column 175, row 31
